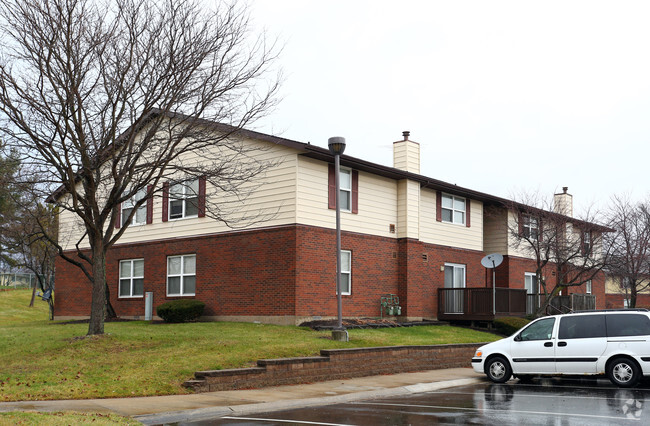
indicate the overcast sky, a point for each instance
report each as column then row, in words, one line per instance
column 503, row 97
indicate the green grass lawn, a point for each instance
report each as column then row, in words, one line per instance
column 41, row 359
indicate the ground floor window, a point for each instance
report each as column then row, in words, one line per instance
column 346, row 272
column 131, row 278
column 181, row 275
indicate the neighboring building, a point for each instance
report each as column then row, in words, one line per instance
column 402, row 233
column 618, row 296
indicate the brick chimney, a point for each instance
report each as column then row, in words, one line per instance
column 563, row 202
column 406, row 154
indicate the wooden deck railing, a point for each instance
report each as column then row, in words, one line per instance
column 477, row 303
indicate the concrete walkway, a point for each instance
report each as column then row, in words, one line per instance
column 203, row 406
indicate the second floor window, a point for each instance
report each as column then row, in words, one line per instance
column 345, row 186
column 588, row 287
column 530, row 227
column 453, row 209
column 586, row 242
column 348, row 189
column 140, row 216
column 184, row 199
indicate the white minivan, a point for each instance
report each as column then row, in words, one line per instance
column 616, row 343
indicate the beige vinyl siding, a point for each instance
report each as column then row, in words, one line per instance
column 408, row 207
column 377, row 201
column 449, row 234
column 273, row 202
column 513, row 249
column 496, row 231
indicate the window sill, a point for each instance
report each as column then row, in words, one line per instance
column 182, row 218
column 453, row 223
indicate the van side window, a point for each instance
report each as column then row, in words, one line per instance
column 540, row 330
column 582, row 327
column 619, row 325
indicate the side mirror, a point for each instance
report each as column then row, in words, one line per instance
column 517, row 338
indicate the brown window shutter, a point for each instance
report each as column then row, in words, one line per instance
column 355, row 191
column 202, row 180
column 331, row 185
column 165, row 200
column 520, row 223
column 540, row 229
column 439, row 206
column 118, row 217
column 149, row 205
column 468, row 213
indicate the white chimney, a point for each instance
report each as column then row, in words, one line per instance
column 406, row 154
column 563, row 202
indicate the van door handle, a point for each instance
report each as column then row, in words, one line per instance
column 561, row 344
column 548, row 344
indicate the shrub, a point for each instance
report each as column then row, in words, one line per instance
column 181, row 310
column 508, row 325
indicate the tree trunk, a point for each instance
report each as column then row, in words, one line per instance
column 632, row 303
column 31, row 303
column 98, row 303
column 110, row 312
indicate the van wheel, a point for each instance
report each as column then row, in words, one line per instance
column 498, row 370
column 623, row 372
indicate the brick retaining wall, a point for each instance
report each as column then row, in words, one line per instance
column 335, row 364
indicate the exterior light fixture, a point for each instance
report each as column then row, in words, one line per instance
column 336, row 146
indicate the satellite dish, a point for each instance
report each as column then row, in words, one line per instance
column 492, row 260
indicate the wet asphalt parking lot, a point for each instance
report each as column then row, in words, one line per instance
column 544, row 401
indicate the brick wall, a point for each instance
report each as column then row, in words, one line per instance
column 336, row 364
column 242, row 273
column 283, row 275
column 511, row 274
column 616, row 301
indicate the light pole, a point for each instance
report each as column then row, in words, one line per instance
column 336, row 146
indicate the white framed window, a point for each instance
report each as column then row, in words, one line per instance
column 346, row 272
column 345, row 189
column 140, row 217
column 530, row 227
column 131, row 278
column 184, row 199
column 453, row 209
column 181, row 275
column 588, row 287
column 530, row 283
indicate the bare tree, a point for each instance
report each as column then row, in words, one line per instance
column 629, row 244
column 570, row 248
column 108, row 100
column 29, row 247
column 9, row 164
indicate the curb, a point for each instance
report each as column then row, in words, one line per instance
column 202, row 414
